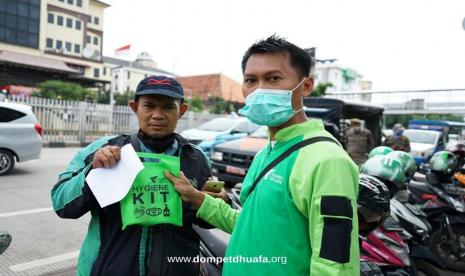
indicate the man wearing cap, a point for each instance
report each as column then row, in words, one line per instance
column 359, row 141
column 137, row 250
column 397, row 141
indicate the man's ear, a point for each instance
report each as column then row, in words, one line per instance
column 307, row 87
column 183, row 109
column 133, row 105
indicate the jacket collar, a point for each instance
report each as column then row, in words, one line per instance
column 296, row 130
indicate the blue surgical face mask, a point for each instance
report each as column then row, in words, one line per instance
column 269, row 107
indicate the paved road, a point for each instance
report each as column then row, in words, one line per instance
column 43, row 244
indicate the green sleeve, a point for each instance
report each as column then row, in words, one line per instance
column 218, row 213
column 333, row 179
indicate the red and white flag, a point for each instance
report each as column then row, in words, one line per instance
column 123, row 50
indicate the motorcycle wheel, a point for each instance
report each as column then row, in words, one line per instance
column 440, row 245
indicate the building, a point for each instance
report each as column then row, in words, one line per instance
column 128, row 74
column 213, row 85
column 52, row 39
column 342, row 78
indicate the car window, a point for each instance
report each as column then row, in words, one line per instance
column 218, row 124
column 425, row 137
column 8, row 115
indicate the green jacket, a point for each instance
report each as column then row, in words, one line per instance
column 302, row 217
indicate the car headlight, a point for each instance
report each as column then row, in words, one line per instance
column 218, row 156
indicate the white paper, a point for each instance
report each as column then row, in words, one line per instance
column 110, row 185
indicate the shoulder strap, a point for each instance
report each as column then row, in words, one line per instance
column 285, row 154
column 135, row 142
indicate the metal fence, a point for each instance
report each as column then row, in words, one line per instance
column 79, row 123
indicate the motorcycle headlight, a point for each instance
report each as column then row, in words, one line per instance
column 218, row 156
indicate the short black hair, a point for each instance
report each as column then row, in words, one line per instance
column 299, row 58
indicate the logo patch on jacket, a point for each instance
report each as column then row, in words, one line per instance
column 274, row 177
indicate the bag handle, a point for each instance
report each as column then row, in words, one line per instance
column 135, row 142
column 285, row 154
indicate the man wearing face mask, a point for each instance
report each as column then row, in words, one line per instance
column 397, row 141
column 299, row 195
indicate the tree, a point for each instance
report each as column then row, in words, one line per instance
column 195, row 104
column 123, row 99
column 320, row 89
column 56, row 89
column 220, row 106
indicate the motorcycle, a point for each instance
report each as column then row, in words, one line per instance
column 444, row 206
column 414, row 222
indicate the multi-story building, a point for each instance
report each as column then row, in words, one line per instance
column 127, row 74
column 342, row 78
column 52, row 39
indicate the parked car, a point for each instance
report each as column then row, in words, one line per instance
column 424, row 143
column 20, row 135
column 218, row 131
column 231, row 160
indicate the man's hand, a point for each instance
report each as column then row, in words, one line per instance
column 106, row 157
column 186, row 190
column 221, row 194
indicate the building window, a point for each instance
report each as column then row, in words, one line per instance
column 70, row 2
column 77, row 48
column 104, row 70
column 79, row 3
column 60, row 20
column 19, row 22
column 68, row 46
column 95, row 40
column 51, row 18
column 69, row 22
column 78, row 25
column 61, row 0
column 87, row 38
column 96, row 20
column 59, row 44
column 49, row 43
column 96, row 73
column 129, row 74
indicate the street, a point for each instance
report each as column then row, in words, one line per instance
column 43, row 244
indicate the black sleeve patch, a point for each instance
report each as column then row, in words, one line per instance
column 335, row 244
column 336, row 206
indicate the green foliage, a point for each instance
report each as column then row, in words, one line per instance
column 391, row 120
column 56, row 89
column 320, row 89
column 195, row 104
column 104, row 97
column 219, row 105
column 123, row 99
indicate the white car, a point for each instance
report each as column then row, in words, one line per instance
column 219, row 126
column 424, row 143
column 20, row 135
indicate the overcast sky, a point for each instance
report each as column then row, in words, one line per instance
column 397, row 44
